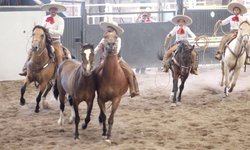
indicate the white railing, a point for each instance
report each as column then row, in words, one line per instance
column 75, row 9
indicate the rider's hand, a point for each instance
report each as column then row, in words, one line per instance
column 220, row 21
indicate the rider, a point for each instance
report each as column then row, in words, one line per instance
column 114, row 27
column 237, row 9
column 181, row 30
column 55, row 26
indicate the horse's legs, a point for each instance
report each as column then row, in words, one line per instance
column 175, row 89
column 102, row 116
column 89, row 109
column 62, row 106
column 226, row 72
column 44, row 102
column 115, row 104
column 231, row 76
column 235, row 77
column 223, row 74
column 77, row 118
column 42, row 87
column 23, row 89
column 73, row 115
column 183, row 80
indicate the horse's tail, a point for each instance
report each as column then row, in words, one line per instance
column 160, row 55
column 55, row 90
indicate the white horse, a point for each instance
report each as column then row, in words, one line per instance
column 234, row 59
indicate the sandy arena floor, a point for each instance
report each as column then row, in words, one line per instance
column 205, row 120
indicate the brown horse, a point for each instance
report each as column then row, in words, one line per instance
column 180, row 66
column 41, row 67
column 111, row 82
column 77, row 80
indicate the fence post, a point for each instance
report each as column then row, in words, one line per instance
column 83, row 22
column 179, row 7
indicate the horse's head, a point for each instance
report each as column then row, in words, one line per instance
column 244, row 31
column 87, row 53
column 110, row 42
column 185, row 57
column 40, row 37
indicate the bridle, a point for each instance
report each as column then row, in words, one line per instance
column 40, row 45
column 180, row 65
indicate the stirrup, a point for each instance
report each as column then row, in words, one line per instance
column 133, row 94
column 194, row 72
column 23, row 73
column 218, row 56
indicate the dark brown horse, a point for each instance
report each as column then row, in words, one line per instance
column 180, row 66
column 77, row 80
column 41, row 66
column 111, row 83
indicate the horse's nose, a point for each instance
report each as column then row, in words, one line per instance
column 34, row 48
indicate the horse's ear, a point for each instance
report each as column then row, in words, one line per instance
column 193, row 47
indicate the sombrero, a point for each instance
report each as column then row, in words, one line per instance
column 232, row 5
column 105, row 25
column 57, row 5
column 187, row 19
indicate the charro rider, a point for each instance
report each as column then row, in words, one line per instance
column 114, row 27
column 181, row 30
column 237, row 9
column 55, row 26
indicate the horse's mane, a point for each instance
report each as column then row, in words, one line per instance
column 48, row 39
column 87, row 46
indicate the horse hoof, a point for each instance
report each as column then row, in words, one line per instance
column 108, row 141
column 22, row 102
column 230, row 90
column 173, row 105
column 76, row 138
column 36, row 110
column 84, row 126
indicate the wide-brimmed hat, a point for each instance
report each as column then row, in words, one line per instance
column 187, row 19
column 105, row 25
column 232, row 5
column 57, row 5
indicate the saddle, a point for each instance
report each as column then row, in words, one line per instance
column 227, row 43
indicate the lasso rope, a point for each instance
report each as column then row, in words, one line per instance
column 204, row 47
column 216, row 28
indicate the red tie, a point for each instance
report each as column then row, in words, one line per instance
column 181, row 31
column 50, row 20
column 235, row 18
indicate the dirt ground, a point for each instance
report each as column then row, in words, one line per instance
column 205, row 120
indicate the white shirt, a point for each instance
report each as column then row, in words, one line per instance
column 100, row 47
column 55, row 25
column 234, row 25
column 183, row 36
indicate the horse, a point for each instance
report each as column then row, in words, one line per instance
column 180, row 66
column 234, row 58
column 77, row 80
column 111, row 83
column 41, row 67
